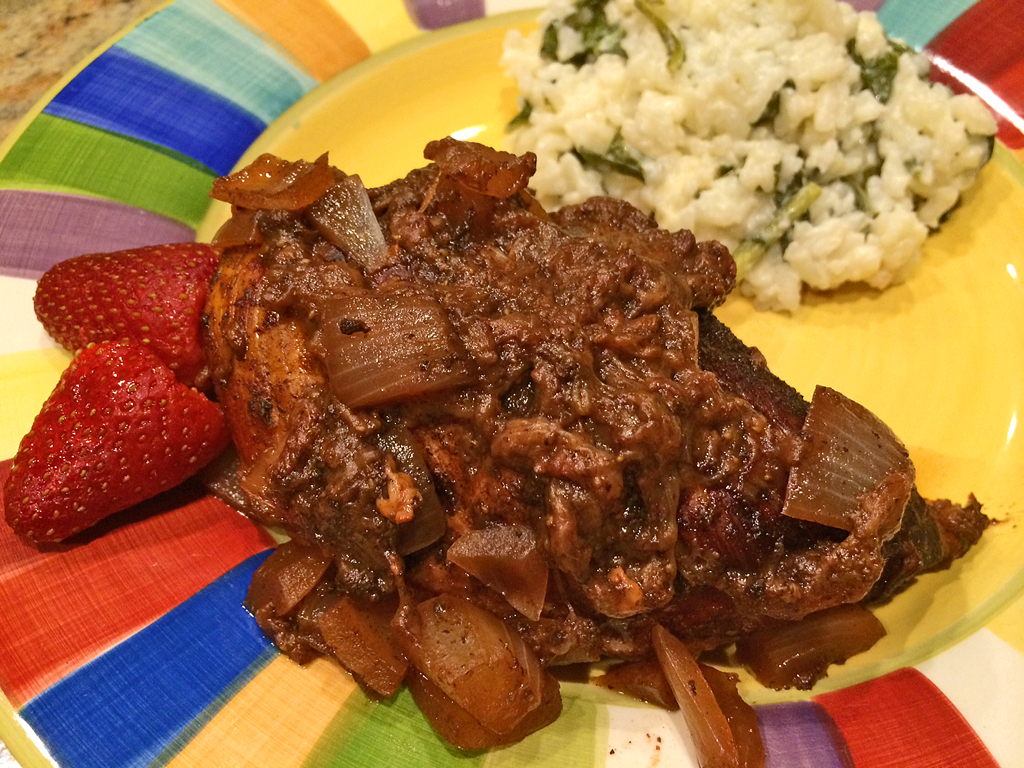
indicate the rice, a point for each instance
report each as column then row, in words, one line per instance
column 793, row 131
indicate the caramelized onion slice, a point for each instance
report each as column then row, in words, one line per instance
column 383, row 348
column 452, row 722
column 796, row 654
column 344, row 216
column 642, row 680
column 290, row 573
column 241, row 229
column 480, row 168
column 220, row 478
column 853, row 465
column 297, row 634
column 364, row 643
column 459, row 728
column 741, row 716
column 474, row 658
column 276, row 184
column 509, row 560
column 710, row 731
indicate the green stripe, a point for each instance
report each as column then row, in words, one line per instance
column 395, row 734
column 916, row 22
column 65, row 156
column 386, row 734
column 574, row 740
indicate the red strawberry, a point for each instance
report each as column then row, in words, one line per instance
column 117, row 430
column 152, row 296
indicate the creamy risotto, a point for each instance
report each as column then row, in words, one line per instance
column 794, row 131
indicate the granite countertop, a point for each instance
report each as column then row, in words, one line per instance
column 40, row 40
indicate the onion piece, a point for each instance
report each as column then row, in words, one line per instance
column 363, row 641
column 509, row 560
column 220, row 479
column 642, row 680
column 383, row 348
column 290, row 573
column 429, row 520
column 710, row 731
column 474, row 658
column 852, row 466
column 297, row 634
column 795, row 654
column 741, row 716
column 459, row 728
column 276, row 184
column 344, row 216
column 480, row 168
column 452, row 722
column 241, row 229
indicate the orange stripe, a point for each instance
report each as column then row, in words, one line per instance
column 310, row 30
column 274, row 720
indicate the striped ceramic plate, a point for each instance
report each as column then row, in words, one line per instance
column 133, row 648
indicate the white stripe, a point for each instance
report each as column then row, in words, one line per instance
column 647, row 736
column 21, row 331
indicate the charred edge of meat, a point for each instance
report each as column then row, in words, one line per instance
column 933, row 533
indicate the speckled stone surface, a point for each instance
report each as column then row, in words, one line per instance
column 41, row 40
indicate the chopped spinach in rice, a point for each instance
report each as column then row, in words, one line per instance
column 794, row 131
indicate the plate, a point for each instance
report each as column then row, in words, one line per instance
column 132, row 648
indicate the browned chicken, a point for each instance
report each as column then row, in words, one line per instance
column 529, row 431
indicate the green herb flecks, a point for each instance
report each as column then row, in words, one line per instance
column 751, row 250
column 616, row 159
column 599, row 36
column 858, row 183
column 522, row 118
column 549, row 43
column 771, row 109
column 784, row 194
column 879, row 74
column 673, row 45
column 860, row 194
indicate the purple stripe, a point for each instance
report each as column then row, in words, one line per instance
column 866, row 5
column 38, row 229
column 434, row 14
column 801, row 734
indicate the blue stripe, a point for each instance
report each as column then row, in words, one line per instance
column 202, row 42
column 126, row 706
column 121, row 93
column 917, row 23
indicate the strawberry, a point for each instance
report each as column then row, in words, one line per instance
column 118, row 429
column 152, row 295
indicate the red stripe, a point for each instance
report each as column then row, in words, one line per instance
column 902, row 720
column 987, row 43
column 66, row 605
